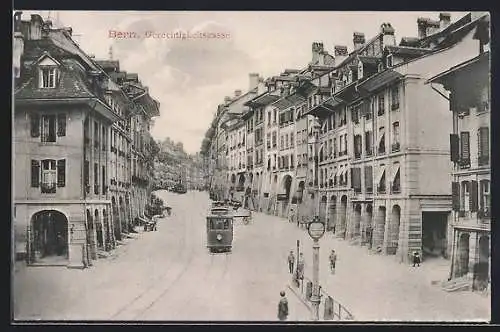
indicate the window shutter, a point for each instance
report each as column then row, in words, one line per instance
column 35, row 125
column 455, row 196
column 35, row 173
column 369, row 177
column 357, row 178
column 465, row 148
column 61, row 124
column 484, row 142
column 61, row 173
column 454, row 148
column 473, row 197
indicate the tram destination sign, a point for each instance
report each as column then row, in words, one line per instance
column 282, row 197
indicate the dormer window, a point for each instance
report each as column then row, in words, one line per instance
column 389, row 61
column 349, row 80
column 360, row 70
column 48, row 77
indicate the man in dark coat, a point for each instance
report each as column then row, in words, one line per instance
column 291, row 261
column 283, row 307
column 416, row 259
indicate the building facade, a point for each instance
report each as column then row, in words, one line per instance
column 468, row 84
column 66, row 110
column 351, row 138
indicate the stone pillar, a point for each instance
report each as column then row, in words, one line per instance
column 473, row 253
column 379, row 229
column 341, row 224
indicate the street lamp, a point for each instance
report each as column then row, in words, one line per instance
column 316, row 230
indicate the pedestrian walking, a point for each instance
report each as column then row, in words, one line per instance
column 300, row 267
column 416, row 259
column 283, row 307
column 291, row 261
column 333, row 260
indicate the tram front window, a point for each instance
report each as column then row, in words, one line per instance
column 220, row 224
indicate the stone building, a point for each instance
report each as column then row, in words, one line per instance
column 468, row 84
column 65, row 109
column 373, row 164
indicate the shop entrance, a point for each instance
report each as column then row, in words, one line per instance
column 48, row 237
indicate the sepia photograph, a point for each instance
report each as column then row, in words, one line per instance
column 251, row 166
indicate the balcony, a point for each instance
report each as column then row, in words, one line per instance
column 395, row 147
column 369, row 152
column 464, row 163
column 48, row 187
column 381, row 111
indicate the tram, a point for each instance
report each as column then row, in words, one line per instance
column 219, row 229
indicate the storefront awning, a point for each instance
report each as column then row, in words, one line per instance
column 380, row 174
column 349, row 93
column 395, row 171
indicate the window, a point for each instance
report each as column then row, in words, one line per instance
column 35, row 173
column 49, row 179
column 483, row 148
column 395, row 137
column 334, row 147
column 369, row 179
column 104, row 138
column 381, row 144
column 381, row 185
column 61, row 173
column 484, row 202
column 48, row 77
column 49, row 128
column 61, row 124
column 464, row 149
column 103, row 176
column 368, row 143
column 388, row 61
column 282, row 141
column 35, row 124
column 465, row 196
column 355, row 115
column 292, row 143
column 86, row 176
column 357, row 146
column 381, row 105
column 395, row 97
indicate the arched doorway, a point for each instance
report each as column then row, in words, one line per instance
column 379, row 231
column 286, row 188
column 356, row 230
column 128, row 211
column 98, row 230
column 123, row 215
column 49, row 240
column 482, row 267
column 116, row 219
column 368, row 232
column 322, row 209
column 233, row 179
column 241, row 181
column 343, row 216
column 108, row 243
column 392, row 243
column 462, row 255
column 332, row 213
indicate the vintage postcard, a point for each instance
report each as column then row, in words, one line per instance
column 282, row 166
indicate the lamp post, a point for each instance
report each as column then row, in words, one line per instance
column 316, row 126
column 316, row 230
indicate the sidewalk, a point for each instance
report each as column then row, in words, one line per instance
column 377, row 288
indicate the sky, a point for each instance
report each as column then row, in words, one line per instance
column 191, row 76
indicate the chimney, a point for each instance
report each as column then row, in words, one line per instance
column 422, row 27
column 237, row 93
column 340, row 53
column 17, row 53
column 17, row 21
column 254, row 81
column 317, row 51
column 387, row 32
column 444, row 20
column 68, row 31
column 432, row 27
column 227, row 100
column 358, row 40
column 36, row 27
